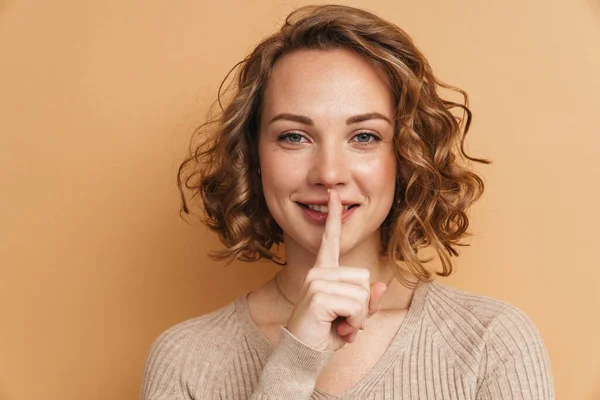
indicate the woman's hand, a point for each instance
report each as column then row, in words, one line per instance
column 335, row 301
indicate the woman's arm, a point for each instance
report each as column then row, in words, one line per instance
column 290, row 372
column 515, row 361
column 162, row 378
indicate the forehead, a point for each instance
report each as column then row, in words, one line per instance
column 327, row 84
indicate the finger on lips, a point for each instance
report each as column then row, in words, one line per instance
column 347, row 290
column 329, row 253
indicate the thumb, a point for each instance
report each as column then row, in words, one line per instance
column 377, row 291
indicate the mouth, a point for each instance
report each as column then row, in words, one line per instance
column 317, row 213
column 323, row 209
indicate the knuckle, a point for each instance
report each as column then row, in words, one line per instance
column 365, row 274
column 365, row 295
column 311, row 275
column 318, row 299
column 315, row 286
column 356, row 307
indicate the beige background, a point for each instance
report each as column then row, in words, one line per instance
column 97, row 102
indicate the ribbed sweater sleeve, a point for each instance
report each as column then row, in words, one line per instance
column 292, row 370
column 192, row 360
column 162, row 375
column 515, row 361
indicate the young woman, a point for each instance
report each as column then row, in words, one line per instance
column 336, row 144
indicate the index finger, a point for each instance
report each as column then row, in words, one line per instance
column 329, row 252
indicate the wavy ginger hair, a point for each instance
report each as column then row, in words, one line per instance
column 434, row 187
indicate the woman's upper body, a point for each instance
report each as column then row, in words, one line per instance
column 449, row 345
column 337, row 145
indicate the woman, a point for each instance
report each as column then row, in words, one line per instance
column 336, row 144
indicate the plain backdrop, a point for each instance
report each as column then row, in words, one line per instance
column 97, row 104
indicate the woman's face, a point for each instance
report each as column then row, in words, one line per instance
column 327, row 122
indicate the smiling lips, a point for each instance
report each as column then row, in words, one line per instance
column 324, row 209
column 317, row 213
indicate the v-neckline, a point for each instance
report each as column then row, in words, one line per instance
column 398, row 343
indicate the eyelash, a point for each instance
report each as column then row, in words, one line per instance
column 284, row 137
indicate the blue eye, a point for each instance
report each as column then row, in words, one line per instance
column 365, row 137
column 291, row 137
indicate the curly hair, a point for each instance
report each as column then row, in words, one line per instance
column 434, row 187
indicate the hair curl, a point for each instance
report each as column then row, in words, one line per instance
column 434, row 185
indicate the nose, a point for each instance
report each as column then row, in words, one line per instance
column 330, row 166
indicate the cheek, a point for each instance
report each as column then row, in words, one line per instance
column 279, row 170
column 281, row 176
column 378, row 174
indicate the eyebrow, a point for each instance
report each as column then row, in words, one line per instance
column 307, row 121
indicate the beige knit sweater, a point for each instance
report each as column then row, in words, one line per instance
column 451, row 345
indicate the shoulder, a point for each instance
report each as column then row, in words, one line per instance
column 216, row 325
column 193, row 347
column 483, row 320
column 497, row 340
column 480, row 313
